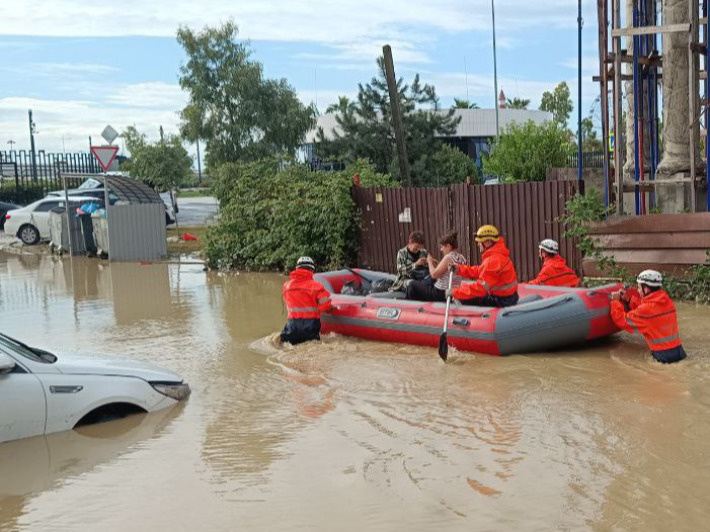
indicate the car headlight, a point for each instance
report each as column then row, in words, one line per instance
column 174, row 390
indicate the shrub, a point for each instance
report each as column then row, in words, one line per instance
column 447, row 166
column 23, row 195
column 270, row 217
column 525, row 152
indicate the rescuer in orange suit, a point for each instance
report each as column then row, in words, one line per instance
column 496, row 281
column 555, row 271
column 650, row 312
column 305, row 300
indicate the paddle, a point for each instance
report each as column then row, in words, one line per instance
column 443, row 345
column 358, row 274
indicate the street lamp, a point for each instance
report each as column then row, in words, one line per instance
column 495, row 67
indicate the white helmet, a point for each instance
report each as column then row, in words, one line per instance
column 650, row 278
column 549, row 245
column 306, row 262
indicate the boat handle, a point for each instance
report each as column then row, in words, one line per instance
column 549, row 305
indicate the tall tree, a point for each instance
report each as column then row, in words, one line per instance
column 240, row 114
column 164, row 164
column 517, row 103
column 590, row 141
column 365, row 129
column 464, row 104
column 559, row 103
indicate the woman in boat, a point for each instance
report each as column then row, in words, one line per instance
column 438, row 270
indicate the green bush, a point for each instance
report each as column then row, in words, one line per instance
column 525, row 152
column 270, row 217
column 23, row 195
column 447, row 166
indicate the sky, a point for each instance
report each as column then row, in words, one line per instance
column 81, row 65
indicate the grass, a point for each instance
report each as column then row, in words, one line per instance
column 194, row 193
column 182, row 247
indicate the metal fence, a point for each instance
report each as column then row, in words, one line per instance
column 26, row 178
column 526, row 213
column 589, row 160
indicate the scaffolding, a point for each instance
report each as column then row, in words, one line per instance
column 645, row 63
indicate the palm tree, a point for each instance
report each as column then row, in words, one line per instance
column 517, row 103
column 343, row 106
column 464, row 104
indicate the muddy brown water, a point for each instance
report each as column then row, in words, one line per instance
column 345, row 434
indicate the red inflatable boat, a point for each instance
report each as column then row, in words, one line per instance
column 545, row 318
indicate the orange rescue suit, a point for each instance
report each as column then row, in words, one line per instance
column 304, row 297
column 653, row 316
column 555, row 272
column 495, row 275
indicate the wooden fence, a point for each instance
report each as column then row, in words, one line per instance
column 667, row 242
column 524, row 212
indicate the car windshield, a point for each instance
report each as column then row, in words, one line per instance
column 89, row 183
column 38, row 355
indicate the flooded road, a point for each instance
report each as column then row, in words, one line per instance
column 346, row 434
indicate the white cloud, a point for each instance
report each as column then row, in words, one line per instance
column 69, row 123
column 354, row 28
column 154, row 94
column 590, row 64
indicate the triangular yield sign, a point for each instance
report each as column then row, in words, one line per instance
column 105, row 155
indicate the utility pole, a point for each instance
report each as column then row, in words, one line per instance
column 396, row 116
column 579, row 91
column 32, row 145
column 199, row 163
column 495, row 67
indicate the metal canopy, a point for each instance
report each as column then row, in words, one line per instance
column 126, row 189
column 132, row 190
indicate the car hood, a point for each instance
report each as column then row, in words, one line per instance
column 103, row 365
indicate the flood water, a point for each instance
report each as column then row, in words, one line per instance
column 345, row 434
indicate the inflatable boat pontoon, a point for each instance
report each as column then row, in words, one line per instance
column 545, row 318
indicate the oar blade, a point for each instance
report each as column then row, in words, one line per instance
column 443, row 347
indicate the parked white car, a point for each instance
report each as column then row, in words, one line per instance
column 42, row 393
column 31, row 224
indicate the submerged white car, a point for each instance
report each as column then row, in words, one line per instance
column 42, row 393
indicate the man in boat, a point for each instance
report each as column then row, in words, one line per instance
column 555, row 271
column 411, row 262
column 496, row 281
column 305, row 300
column 650, row 312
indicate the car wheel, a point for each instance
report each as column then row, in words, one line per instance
column 28, row 234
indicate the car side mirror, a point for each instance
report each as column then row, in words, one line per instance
column 7, row 364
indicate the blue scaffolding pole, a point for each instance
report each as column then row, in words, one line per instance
column 637, row 151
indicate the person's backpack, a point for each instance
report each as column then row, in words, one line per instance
column 381, row 285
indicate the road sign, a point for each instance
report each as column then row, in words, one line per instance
column 105, row 155
column 109, row 134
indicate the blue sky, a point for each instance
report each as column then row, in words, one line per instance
column 81, row 65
